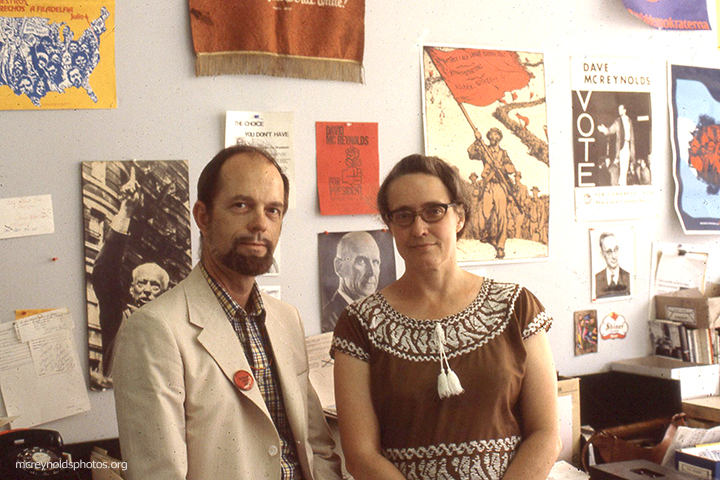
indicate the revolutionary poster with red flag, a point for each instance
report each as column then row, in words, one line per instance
column 479, row 77
column 484, row 112
column 347, row 167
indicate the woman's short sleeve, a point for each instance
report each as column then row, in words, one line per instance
column 350, row 337
column 531, row 314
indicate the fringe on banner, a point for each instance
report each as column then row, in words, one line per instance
column 258, row 63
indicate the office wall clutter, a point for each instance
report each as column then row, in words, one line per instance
column 164, row 111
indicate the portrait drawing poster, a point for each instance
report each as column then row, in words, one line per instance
column 467, row 93
column 135, row 213
column 695, row 127
column 271, row 131
column 612, row 251
column 354, row 265
column 347, row 167
column 57, row 54
column 612, row 150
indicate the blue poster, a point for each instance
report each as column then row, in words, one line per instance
column 671, row 14
column 695, row 122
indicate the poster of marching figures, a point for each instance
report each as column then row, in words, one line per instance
column 485, row 113
column 695, row 126
column 612, row 125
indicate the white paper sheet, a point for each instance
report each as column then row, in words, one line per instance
column 24, row 216
column 43, row 324
column 272, row 131
column 41, row 379
column 676, row 271
column 321, row 370
column 689, row 437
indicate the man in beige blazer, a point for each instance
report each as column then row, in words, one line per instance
column 211, row 379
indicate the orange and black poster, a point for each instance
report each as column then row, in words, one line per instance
column 347, row 167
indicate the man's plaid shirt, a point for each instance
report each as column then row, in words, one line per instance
column 250, row 329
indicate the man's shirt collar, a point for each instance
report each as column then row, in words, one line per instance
column 229, row 305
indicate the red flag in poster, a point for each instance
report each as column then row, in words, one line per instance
column 347, row 167
column 479, row 77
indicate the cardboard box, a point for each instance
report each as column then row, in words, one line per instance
column 700, row 462
column 689, row 306
column 696, row 380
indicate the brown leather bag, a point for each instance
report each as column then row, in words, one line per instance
column 633, row 442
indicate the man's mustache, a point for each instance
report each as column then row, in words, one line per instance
column 252, row 239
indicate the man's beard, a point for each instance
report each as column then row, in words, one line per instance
column 248, row 265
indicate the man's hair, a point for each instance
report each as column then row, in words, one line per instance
column 207, row 186
column 496, row 130
column 435, row 166
column 157, row 269
column 350, row 237
column 603, row 236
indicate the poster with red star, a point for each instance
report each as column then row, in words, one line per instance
column 347, row 167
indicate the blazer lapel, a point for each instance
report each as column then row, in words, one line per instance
column 280, row 338
column 217, row 335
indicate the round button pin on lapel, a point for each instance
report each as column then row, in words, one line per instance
column 244, row 380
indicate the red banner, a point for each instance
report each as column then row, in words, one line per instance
column 479, row 77
column 347, row 167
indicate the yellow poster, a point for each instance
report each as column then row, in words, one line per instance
column 57, row 54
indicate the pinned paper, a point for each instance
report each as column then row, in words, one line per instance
column 347, row 167
column 586, row 332
column 40, row 379
column 25, row 216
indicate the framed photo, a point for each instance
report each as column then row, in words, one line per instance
column 484, row 112
column 613, row 262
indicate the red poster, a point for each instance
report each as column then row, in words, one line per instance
column 347, row 167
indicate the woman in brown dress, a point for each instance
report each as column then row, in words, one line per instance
column 443, row 374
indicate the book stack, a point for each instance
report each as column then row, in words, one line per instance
column 686, row 326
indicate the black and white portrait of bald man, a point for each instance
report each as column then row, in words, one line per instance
column 353, row 265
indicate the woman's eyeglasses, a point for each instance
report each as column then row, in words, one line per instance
column 430, row 214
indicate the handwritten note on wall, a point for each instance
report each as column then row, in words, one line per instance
column 25, row 216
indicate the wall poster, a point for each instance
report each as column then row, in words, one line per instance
column 612, row 138
column 57, row 54
column 484, row 112
column 272, row 131
column 137, row 245
column 695, row 126
column 347, row 167
column 613, row 262
column 353, row 265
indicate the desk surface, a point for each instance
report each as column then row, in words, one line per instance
column 706, row 408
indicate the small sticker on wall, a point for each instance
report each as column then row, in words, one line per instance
column 613, row 327
column 586, row 332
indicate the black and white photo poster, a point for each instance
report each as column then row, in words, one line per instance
column 137, row 245
column 612, row 125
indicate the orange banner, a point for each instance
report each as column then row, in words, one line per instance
column 316, row 39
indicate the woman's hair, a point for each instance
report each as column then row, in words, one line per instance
column 448, row 175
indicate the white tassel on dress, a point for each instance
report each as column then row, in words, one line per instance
column 448, row 381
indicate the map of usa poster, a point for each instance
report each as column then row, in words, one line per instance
column 485, row 113
column 695, row 120
column 57, row 54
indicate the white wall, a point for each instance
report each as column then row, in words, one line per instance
column 165, row 112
